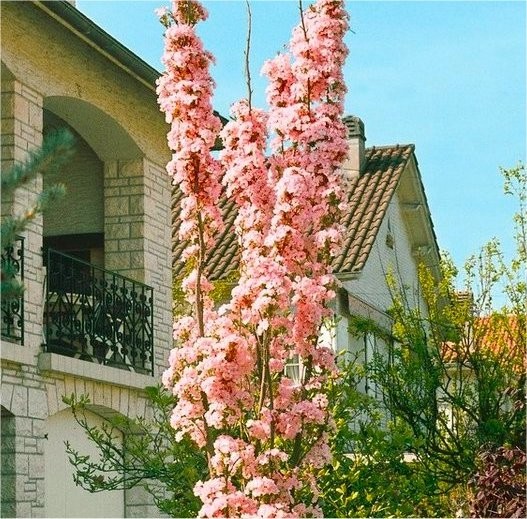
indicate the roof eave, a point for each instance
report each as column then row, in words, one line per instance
column 426, row 219
column 97, row 38
column 71, row 18
column 349, row 275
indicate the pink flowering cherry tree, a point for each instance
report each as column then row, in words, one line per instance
column 264, row 433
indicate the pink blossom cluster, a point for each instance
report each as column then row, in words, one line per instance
column 185, row 96
column 260, row 495
column 265, row 433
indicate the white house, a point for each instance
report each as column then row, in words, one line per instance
column 388, row 229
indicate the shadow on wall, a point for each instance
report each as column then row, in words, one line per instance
column 8, row 469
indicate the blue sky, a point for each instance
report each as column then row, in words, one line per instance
column 449, row 77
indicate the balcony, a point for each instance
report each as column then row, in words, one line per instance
column 96, row 315
column 12, row 310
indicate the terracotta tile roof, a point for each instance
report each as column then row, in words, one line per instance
column 369, row 196
column 502, row 336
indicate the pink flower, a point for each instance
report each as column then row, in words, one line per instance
column 261, row 487
column 161, row 11
column 227, row 369
column 259, row 429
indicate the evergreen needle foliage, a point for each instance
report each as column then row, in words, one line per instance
column 55, row 151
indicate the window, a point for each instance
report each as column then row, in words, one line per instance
column 294, row 369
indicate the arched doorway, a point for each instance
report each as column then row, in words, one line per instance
column 63, row 497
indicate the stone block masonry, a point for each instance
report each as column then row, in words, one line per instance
column 115, row 114
column 137, row 234
column 29, row 397
column 137, row 245
column 21, row 127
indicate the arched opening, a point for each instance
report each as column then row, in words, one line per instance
column 62, row 497
column 92, row 234
column 75, row 223
column 104, row 135
column 8, row 470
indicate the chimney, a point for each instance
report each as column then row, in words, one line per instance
column 354, row 164
column 465, row 298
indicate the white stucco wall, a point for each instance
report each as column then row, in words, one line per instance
column 62, row 497
column 369, row 294
column 371, row 286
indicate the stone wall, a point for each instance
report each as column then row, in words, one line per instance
column 124, row 218
column 31, row 394
column 158, row 264
column 137, row 229
column 23, row 396
column 117, row 116
column 21, row 132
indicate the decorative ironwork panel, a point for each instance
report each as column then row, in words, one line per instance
column 98, row 315
column 13, row 309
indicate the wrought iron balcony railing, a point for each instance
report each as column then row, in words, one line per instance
column 12, row 326
column 97, row 315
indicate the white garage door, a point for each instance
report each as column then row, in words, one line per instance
column 63, row 497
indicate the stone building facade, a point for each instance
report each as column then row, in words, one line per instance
column 111, row 231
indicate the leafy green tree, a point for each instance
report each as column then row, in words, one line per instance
column 148, row 456
column 455, row 373
column 453, row 387
column 370, row 475
column 55, row 151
